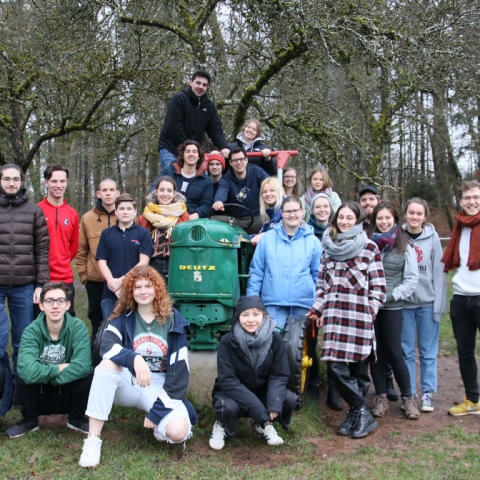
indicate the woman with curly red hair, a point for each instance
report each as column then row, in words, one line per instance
column 145, row 364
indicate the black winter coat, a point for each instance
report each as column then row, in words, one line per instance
column 199, row 193
column 269, row 166
column 188, row 118
column 24, row 243
column 238, row 380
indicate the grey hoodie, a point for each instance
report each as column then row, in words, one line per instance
column 431, row 288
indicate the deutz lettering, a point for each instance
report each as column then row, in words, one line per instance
column 197, row 267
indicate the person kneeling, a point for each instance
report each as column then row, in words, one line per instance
column 145, row 364
column 253, row 374
column 54, row 364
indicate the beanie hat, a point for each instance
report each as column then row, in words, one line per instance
column 218, row 158
column 320, row 195
column 245, row 303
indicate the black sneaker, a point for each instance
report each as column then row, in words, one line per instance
column 79, row 424
column 365, row 423
column 348, row 425
column 21, row 428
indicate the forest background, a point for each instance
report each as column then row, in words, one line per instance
column 379, row 92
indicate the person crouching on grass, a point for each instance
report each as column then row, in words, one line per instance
column 145, row 364
column 253, row 374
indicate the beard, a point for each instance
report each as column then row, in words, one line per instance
column 10, row 194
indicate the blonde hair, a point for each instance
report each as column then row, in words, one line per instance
column 257, row 124
column 277, row 186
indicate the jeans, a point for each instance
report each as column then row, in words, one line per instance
column 108, row 306
column 465, row 315
column 388, row 331
column 418, row 324
column 20, row 307
column 280, row 314
column 166, row 158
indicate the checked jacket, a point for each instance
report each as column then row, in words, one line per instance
column 349, row 295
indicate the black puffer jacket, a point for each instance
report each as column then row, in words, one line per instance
column 238, row 380
column 188, row 118
column 24, row 242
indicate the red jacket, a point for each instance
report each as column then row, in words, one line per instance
column 64, row 230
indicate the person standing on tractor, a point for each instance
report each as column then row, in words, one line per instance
column 253, row 374
column 350, row 290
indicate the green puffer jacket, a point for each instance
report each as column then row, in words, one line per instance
column 39, row 355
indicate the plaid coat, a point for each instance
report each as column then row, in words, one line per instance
column 349, row 294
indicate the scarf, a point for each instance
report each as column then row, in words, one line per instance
column 310, row 193
column 347, row 245
column 451, row 257
column 255, row 347
column 386, row 241
column 318, row 229
column 164, row 217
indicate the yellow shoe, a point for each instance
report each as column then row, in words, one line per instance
column 465, row 408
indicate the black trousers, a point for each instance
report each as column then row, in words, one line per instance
column 465, row 315
column 352, row 381
column 71, row 297
column 161, row 266
column 94, row 295
column 228, row 411
column 388, row 331
column 46, row 399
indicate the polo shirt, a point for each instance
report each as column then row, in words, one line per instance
column 122, row 249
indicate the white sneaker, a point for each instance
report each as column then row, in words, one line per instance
column 270, row 434
column 217, row 440
column 427, row 404
column 92, row 448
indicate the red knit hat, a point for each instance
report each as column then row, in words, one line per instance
column 218, row 158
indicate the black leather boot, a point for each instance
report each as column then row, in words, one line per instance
column 334, row 400
column 347, row 426
column 392, row 395
column 365, row 423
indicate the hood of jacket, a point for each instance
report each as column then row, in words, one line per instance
column 428, row 231
column 178, row 170
column 250, row 145
column 14, row 202
column 303, row 230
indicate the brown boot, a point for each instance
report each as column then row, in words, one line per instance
column 381, row 407
column 411, row 409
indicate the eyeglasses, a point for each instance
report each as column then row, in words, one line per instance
column 14, row 179
column 289, row 177
column 288, row 213
column 236, row 160
column 58, row 301
column 476, row 198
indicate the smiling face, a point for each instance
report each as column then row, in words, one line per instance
column 238, row 162
column 415, row 217
column 317, row 181
column 199, row 86
column 368, row 201
column 269, row 194
column 385, row 220
column 290, row 179
column 251, row 319
column 250, row 132
column 292, row 214
column 346, row 219
column 165, row 193
column 470, row 201
column 143, row 292
column 191, row 155
column 322, row 210
column 56, row 185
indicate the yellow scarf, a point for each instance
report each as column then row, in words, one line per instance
column 164, row 217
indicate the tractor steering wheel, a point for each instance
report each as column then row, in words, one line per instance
column 234, row 221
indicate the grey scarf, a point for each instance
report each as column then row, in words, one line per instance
column 256, row 346
column 347, row 245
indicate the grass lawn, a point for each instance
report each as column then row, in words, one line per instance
column 131, row 452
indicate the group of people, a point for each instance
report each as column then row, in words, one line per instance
column 374, row 285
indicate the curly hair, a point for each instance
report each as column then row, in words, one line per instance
column 181, row 153
column 162, row 305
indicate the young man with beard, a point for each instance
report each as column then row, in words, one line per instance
column 54, row 365
column 24, row 243
column 190, row 114
column 63, row 228
column 463, row 255
column 93, row 223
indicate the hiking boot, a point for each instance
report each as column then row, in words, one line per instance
column 78, row 424
column 465, row 408
column 411, row 409
column 427, row 404
column 347, row 426
column 381, row 407
column 392, row 395
column 21, row 428
column 334, row 400
column 365, row 423
column 217, row 440
column 91, row 451
column 270, row 434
